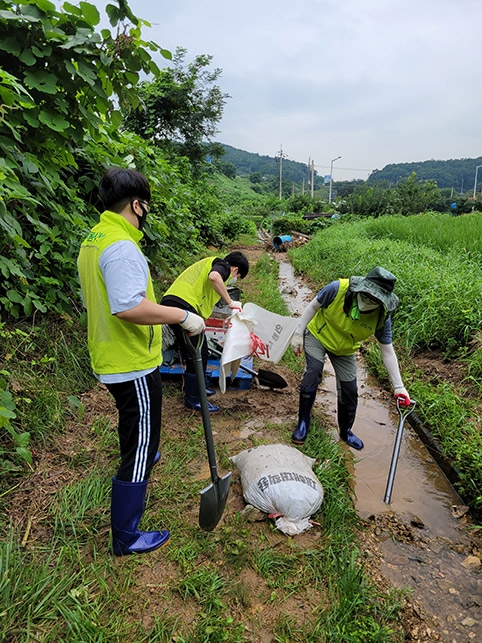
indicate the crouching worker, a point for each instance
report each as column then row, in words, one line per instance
column 335, row 322
column 198, row 289
column 125, row 345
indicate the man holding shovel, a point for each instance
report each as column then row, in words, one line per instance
column 125, row 345
column 197, row 290
column 335, row 322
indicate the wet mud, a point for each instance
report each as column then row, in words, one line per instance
column 422, row 537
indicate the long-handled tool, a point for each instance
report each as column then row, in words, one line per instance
column 265, row 378
column 403, row 412
column 213, row 497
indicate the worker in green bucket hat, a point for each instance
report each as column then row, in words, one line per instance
column 334, row 324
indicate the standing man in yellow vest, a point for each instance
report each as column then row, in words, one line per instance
column 335, row 322
column 125, row 345
column 198, row 289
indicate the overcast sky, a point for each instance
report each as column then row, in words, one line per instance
column 372, row 81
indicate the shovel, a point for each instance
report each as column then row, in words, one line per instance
column 213, row 497
column 403, row 412
column 265, row 378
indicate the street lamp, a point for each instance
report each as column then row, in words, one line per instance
column 475, row 181
column 331, row 176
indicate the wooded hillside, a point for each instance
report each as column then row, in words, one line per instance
column 458, row 174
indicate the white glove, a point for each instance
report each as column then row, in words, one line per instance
column 297, row 343
column 193, row 324
column 236, row 306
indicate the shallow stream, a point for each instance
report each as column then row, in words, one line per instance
column 431, row 554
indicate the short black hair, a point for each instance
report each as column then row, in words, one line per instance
column 118, row 186
column 239, row 261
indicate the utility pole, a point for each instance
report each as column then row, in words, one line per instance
column 281, row 156
column 312, row 178
column 331, row 176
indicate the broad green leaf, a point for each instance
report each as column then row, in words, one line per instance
column 7, row 96
column 28, row 58
column 9, row 223
column 41, row 80
column 30, row 167
column 12, row 16
column 86, row 73
column 90, row 13
column 53, row 120
column 116, row 118
column 11, row 45
column 33, row 12
column 133, row 78
column 72, row 8
column 5, row 413
column 46, row 5
column 113, row 13
column 14, row 296
column 31, row 118
column 42, row 53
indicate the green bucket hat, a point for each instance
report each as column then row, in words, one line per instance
column 378, row 283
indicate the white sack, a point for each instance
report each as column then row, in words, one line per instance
column 279, row 479
column 254, row 331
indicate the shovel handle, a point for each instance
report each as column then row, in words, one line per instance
column 203, row 398
column 403, row 412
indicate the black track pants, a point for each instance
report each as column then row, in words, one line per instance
column 139, row 405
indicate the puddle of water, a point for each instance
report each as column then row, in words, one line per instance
column 435, row 570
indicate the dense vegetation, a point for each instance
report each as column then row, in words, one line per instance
column 63, row 123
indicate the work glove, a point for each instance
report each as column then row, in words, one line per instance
column 402, row 396
column 236, row 306
column 193, row 324
column 297, row 343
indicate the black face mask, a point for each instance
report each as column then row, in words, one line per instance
column 140, row 218
column 143, row 218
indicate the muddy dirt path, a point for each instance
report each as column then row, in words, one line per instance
column 420, row 539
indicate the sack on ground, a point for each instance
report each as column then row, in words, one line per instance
column 279, row 479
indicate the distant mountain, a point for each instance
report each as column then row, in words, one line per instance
column 247, row 163
column 458, row 174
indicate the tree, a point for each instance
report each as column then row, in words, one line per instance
column 180, row 109
column 61, row 86
column 412, row 196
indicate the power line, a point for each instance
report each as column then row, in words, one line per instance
column 350, row 169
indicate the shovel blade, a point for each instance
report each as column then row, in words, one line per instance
column 273, row 380
column 213, row 501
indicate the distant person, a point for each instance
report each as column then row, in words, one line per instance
column 335, row 322
column 198, row 289
column 125, row 345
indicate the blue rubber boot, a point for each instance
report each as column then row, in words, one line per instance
column 351, row 439
column 191, row 394
column 347, row 405
column 207, row 379
column 307, row 399
column 127, row 507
